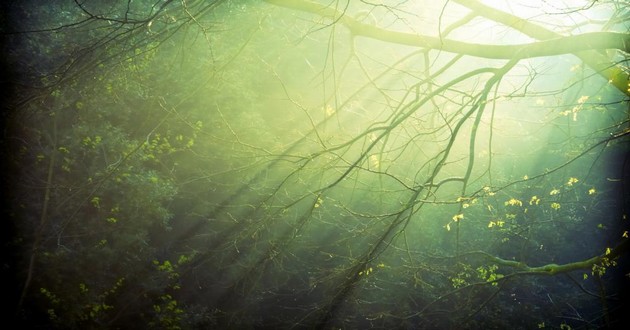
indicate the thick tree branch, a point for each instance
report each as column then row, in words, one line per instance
column 553, row 269
column 552, row 44
column 552, row 47
column 598, row 62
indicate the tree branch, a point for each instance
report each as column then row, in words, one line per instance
column 553, row 44
column 552, row 47
column 554, row 269
column 598, row 62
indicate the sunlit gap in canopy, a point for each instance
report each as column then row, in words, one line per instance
column 564, row 17
column 550, row 75
column 330, row 97
column 318, row 96
column 337, row 106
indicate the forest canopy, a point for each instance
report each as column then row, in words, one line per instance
column 316, row 164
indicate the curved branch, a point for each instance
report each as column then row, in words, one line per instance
column 554, row 269
column 551, row 47
column 552, row 44
column 598, row 62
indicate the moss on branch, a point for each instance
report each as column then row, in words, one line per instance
column 554, row 269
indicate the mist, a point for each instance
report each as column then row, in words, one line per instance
column 309, row 164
